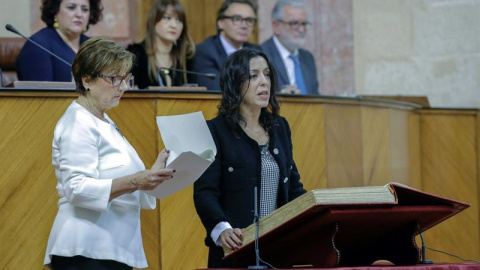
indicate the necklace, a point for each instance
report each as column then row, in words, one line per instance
column 256, row 130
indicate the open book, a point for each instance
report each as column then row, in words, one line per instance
column 345, row 221
column 191, row 147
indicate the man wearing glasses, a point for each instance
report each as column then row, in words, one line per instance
column 235, row 21
column 297, row 73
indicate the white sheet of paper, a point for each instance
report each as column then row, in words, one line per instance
column 191, row 147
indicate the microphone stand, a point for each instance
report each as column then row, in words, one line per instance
column 211, row 76
column 1, row 79
column 13, row 30
column 160, row 80
column 423, row 261
column 257, row 228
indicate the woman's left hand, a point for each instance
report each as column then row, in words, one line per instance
column 232, row 238
column 161, row 160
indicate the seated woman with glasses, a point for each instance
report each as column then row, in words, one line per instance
column 99, row 174
column 166, row 53
column 235, row 21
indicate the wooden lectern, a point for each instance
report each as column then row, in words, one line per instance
column 346, row 234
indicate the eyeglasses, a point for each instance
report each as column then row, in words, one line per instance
column 117, row 80
column 296, row 24
column 237, row 20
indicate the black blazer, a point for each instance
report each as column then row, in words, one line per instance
column 225, row 191
column 209, row 58
column 307, row 64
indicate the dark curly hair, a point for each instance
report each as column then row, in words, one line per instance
column 234, row 76
column 50, row 9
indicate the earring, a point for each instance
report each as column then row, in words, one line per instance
column 88, row 89
column 55, row 23
column 175, row 43
column 86, row 29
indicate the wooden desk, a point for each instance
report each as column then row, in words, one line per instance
column 338, row 142
column 444, row 266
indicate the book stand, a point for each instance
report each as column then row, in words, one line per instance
column 358, row 235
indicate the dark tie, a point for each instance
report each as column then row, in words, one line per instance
column 299, row 75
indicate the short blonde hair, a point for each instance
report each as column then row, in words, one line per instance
column 98, row 55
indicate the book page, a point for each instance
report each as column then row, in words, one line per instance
column 191, row 147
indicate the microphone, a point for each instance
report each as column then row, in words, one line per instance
column 423, row 261
column 2, row 84
column 13, row 30
column 165, row 70
column 257, row 228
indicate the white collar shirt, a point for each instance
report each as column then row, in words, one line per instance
column 287, row 61
column 229, row 48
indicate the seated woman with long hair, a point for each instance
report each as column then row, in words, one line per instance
column 167, row 46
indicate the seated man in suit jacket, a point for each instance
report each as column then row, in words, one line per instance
column 297, row 73
column 235, row 21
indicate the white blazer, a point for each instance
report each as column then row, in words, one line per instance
column 88, row 154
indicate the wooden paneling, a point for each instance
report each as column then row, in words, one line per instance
column 478, row 168
column 28, row 199
column 139, row 22
column 343, row 142
column 414, row 151
column 337, row 142
column 450, row 169
column 308, row 136
column 375, row 139
column 399, row 142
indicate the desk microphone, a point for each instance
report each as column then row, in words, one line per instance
column 211, row 76
column 2, row 84
column 424, row 260
column 13, row 30
column 257, row 228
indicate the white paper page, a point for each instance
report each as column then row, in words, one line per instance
column 184, row 133
column 191, row 147
column 189, row 167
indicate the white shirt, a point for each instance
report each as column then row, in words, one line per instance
column 287, row 61
column 229, row 48
column 88, row 154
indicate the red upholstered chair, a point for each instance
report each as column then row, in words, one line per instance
column 9, row 50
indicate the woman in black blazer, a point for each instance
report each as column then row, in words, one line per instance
column 254, row 148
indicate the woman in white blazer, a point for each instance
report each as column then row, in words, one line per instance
column 99, row 173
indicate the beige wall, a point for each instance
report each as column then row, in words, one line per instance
column 16, row 13
column 329, row 39
column 419, row 47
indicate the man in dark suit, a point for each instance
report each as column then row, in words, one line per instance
column 235, row 21
column 296, row 69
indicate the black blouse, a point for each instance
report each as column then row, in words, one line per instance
column 140, row 69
